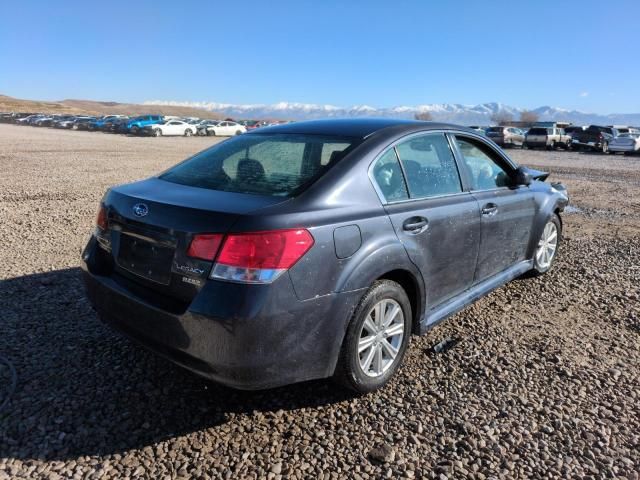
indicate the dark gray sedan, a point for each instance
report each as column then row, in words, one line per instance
column 316, row 249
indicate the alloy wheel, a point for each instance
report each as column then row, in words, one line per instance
column 380, row 337
column 547, row 245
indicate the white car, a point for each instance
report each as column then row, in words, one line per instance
column 625, row 142
column 226, row 129
column 171, row 127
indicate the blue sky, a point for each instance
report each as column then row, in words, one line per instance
column 577, row 55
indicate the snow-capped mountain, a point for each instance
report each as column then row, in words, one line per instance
column 446, row 112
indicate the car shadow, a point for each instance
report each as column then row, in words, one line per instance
column 83, row 389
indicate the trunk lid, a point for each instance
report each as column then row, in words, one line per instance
column 151, row 224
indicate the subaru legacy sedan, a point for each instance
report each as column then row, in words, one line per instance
column 316, row 249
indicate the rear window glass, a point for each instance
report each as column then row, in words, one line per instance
column 262, row 164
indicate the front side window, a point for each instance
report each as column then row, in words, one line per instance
column 262, row 164
column 429, row 165
column 388, row 175
column 483, row 165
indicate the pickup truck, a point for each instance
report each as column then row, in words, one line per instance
column 594, row 138
column 547, row 137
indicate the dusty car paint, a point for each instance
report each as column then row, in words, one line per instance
column 264, row 335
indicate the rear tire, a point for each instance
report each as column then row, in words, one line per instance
column 380, row 327
column 157, row 132
column 605, row 148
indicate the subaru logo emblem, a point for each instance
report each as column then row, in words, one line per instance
column 140, row 209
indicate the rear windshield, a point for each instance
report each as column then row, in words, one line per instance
column 538, row 131
column 263, row 164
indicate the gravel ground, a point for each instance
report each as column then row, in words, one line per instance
column 540, row 379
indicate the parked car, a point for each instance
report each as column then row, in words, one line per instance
column 226, row 129
column 29, row 119
column 628, row 143
column 573, row 130
column 137, row 123
column 66, row 122
column 204, row 125
column 251, row 124
column 171, row 127
column 99, row 123
column 59, row 120
column 506, row 136
column 82, row 123
column 315, row 249
column 595, row 138
column 42, row 121
column 547, row 137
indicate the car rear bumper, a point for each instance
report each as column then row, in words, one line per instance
column 243, row 336
column 535, row 144
column 579, row 144
column 622, row 148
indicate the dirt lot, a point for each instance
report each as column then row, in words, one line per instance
column 542, row 382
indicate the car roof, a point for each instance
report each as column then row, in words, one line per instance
column 352, row 127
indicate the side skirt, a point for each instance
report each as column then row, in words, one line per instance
column 466, row 298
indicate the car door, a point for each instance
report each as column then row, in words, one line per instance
column 507, row 211
column 435, row 219
column 175, row 128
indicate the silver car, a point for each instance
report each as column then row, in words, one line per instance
column 628, row 143
column 506, row 136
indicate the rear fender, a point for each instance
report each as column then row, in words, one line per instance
column 374, row 262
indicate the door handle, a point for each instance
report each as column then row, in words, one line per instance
column 415, row 224
column 490, row 209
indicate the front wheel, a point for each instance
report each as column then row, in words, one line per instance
column 376, row 338
column 157, row 132
column 187, row 132
column 605, row 148
column 547, row 248
column 238, row 132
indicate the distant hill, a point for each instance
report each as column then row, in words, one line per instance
column 91, row 107
column 445, row 112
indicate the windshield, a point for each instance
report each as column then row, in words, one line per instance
column 266, row 164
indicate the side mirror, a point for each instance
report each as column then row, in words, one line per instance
column 522, row 177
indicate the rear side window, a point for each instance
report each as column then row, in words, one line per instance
column 485, row 167
column 429, row 166
column 537, row 131
column 388, row 175
column 263, row 164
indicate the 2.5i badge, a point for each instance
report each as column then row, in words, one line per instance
column 192, row 281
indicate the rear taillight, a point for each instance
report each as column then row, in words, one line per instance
column 101, row 220
column 259, row 257
column 205, row 246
